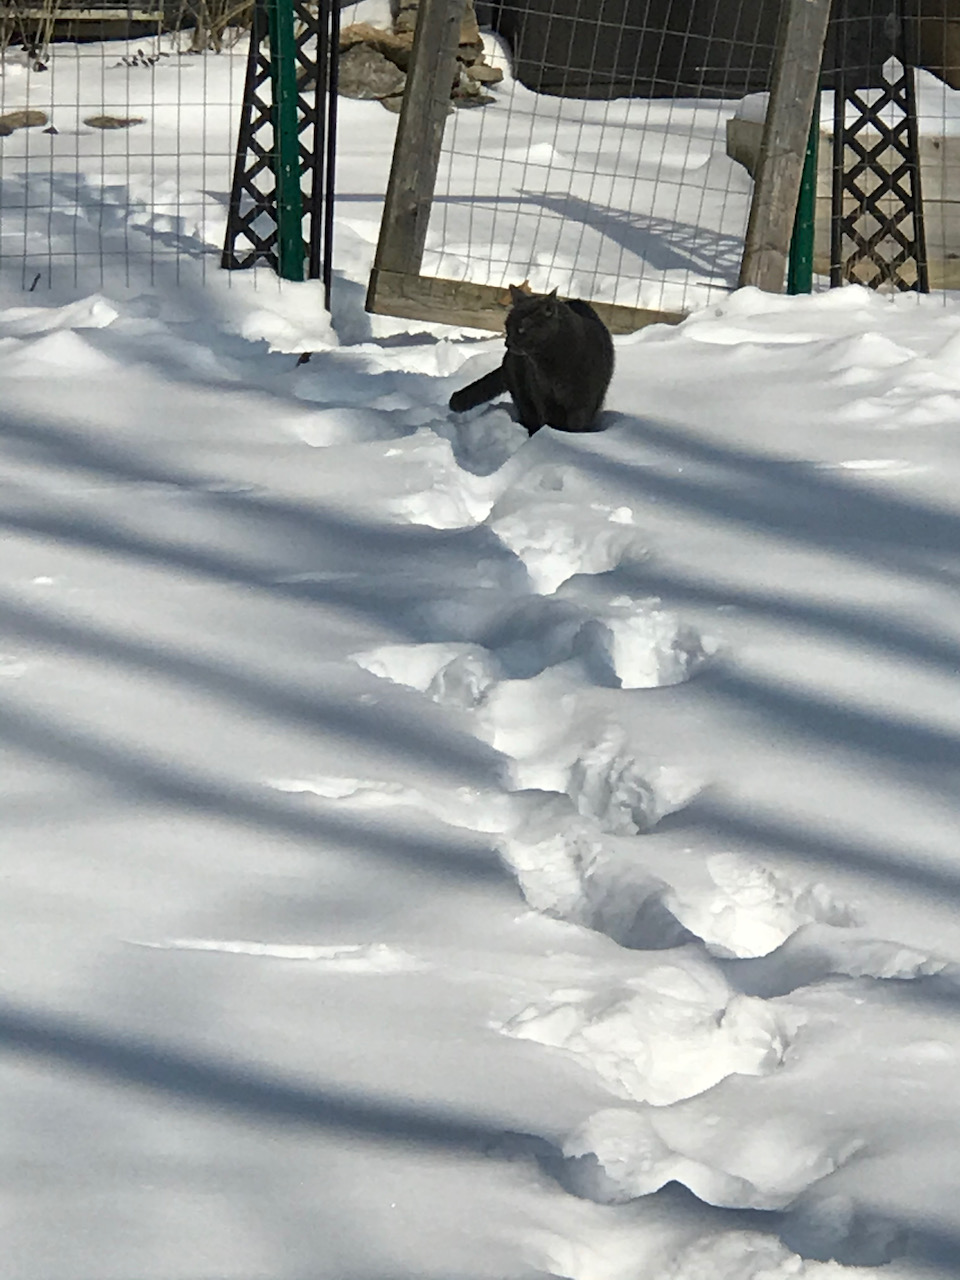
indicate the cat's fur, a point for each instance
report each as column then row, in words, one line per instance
column 557, row 366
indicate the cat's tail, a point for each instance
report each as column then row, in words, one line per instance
column 485, row 388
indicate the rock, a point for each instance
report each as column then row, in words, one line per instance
column 406, row 21
column 22, row 119
column 465, row 86
column 473, row 100
column 395, row 47
column 468, row 92
column 366, row 73
column 113, row 122
column 406, row 16
column 374, row 62
column 471, row 42
column 483, row 72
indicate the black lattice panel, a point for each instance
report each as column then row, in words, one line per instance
column 252, row 223
column 877, row 236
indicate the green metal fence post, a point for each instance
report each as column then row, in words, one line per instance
column 800, row 269
column 291, row 250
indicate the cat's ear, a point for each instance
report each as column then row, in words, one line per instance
column 517, row 295
column 552, row 296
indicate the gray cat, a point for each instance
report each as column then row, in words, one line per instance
column 557, row 367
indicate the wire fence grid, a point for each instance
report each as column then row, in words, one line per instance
column 612, row 158
column 602, row 166
column 118, row 132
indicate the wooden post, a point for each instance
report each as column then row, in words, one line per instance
column 793, row 92
column 416, row 156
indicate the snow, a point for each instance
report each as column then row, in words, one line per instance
column 432, row 851
column 938, row 105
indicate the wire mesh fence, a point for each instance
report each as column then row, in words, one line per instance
column 119, row 137
column 602, row 147
column 615, row 159
column 601, row 165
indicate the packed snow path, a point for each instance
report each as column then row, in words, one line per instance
column 429, row 851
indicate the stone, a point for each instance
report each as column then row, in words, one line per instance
column 374, row 61
column 468, row 92
column 483, row 72
column 22, row 119
column 406, row 16
column 465, row 86
column 471, row 42
column 113, row 122
column 366, row 73
column 474, row 100
column 395, row 47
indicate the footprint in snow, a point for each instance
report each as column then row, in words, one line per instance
column 630, row 644
column 673, row 1031
column 557, row 540
column 752, row 910
column 835, row 1227
column 451, row 498
column 817, row 951
column 623, row 1154
column 321, row 428
column 569, row 781
column 740, row 1255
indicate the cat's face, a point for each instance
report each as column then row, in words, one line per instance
column 532, row 322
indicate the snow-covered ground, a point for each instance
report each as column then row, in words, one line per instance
column 429, row 852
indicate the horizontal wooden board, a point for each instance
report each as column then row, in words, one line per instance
column 479, row 306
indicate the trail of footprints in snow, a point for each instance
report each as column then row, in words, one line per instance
column 575, row 786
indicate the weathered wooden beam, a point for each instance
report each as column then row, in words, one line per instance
column 793, row 91
column 480, row 306
column 416, row 155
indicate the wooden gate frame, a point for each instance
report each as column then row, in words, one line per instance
column 397, row 287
